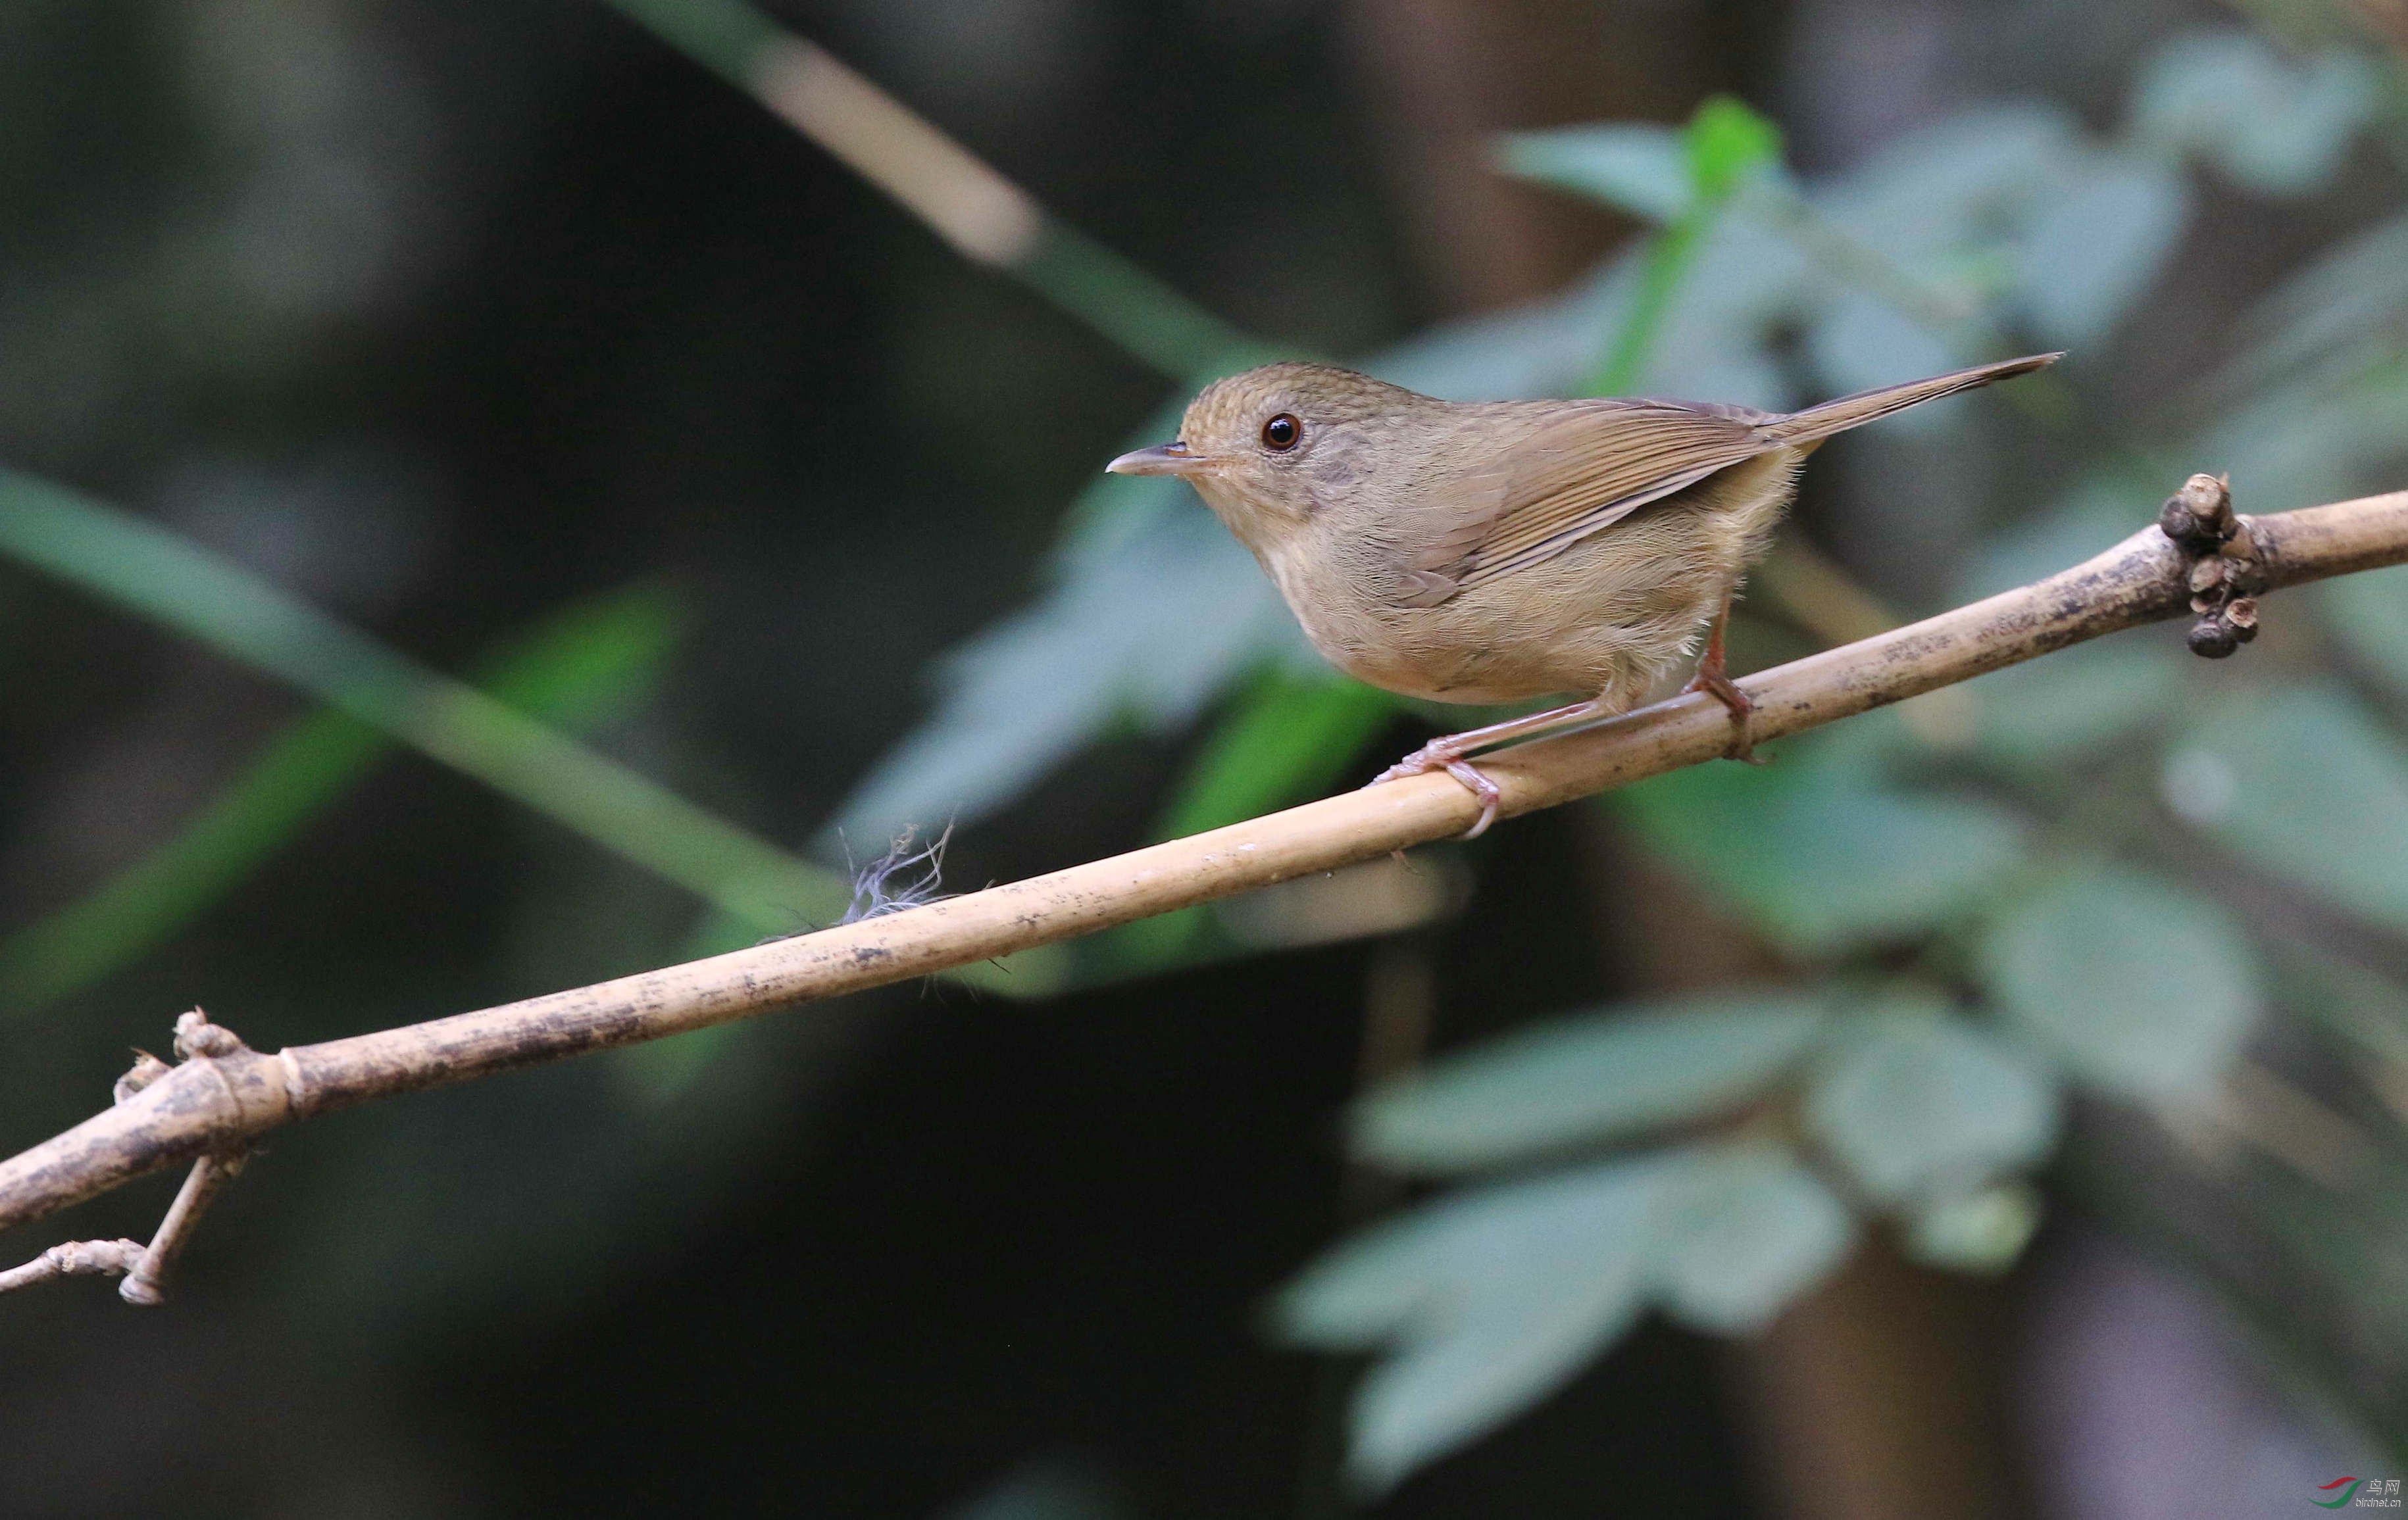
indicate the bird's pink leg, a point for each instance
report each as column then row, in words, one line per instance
column 1446, row 754
column 1711, row 677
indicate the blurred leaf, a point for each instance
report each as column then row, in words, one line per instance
column 150, row 571
column 2316, row 438
column 2350, row 302
column 1915, row 1101
column 1290, row 737
column 1580, row 1081
column 2369, row 613
column 1117, row 298
column 1984, row 1231
column 1151, row 630
column 725, row 37
column 582, row 667
column 2308, row 786
column 1934, row 201
column 2099, row 513
column 1055, row 1488
column 2135, row 984
column 1634, row 167
column 1863, row 341
column 1740, row 1234
column 2095, row 246
column 2366, row 1010
column 1725, row 144
column 2041, row 714
column 2276, row 126
column 1493, row 1299
column 1817, row 854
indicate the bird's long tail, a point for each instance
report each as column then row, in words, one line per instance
column 1816, row 423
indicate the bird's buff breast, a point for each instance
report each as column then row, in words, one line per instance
column 1586, row 623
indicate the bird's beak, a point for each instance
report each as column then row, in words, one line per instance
column 1163, row 459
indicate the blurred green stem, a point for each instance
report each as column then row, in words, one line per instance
column 958, row 196
column 1726, row 144
column 580, row 667
column 150, row 571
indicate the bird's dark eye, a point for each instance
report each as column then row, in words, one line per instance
column 1281, row 431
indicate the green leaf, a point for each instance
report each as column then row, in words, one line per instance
column 1493, row 1298
column 1914, row 1102
column 2096, row 246
column 2099, row 513
column 2278, row 126
column 1983, row 1231
column 1633, row 166
column 1740, row 1234
column 2343, row 304
column 2135, row 984
column 1725, row 144
column 1287, row 739
column 2038, row 716
column 2308, row 786
column 1582, row 1081
column 2366, row 612
column 1818, row 856
column 1151, row 628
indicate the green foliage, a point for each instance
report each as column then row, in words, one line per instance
column 1725, row 147
column 148, row 570
column 2033, row 720
column 1582, row 1081
column 726, row 37
column 2132, row 983
column 2018, row 857
column 1633, row 166
column 1918, row 1105
column 1983, row 1231
column 2363, row 612
column 1488, row 1301
column 2308, row 786
column 1818, row 852
column 1291, row 735
column 1739, row 1233
column 581, row 668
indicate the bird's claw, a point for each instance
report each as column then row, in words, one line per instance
column 1725, row 690
column 1437, row 758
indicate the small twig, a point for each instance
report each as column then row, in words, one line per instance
column 214, row 1103
column 76, row 1258
column 196, row 1039
column 145, row 1268
column 146, row 1284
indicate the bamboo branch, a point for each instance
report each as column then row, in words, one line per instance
column 218, row 1103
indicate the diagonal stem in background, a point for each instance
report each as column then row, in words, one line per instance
column 218, row 1103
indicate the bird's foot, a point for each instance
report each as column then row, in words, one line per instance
column 1726, row 691
column 1439, row 754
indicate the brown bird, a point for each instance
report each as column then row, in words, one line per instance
column 1496, row 551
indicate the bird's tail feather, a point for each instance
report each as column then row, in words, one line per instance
column 1816, row 423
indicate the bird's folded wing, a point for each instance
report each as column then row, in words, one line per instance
column 1576, row 474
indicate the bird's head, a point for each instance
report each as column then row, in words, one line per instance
column 1272, row 449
